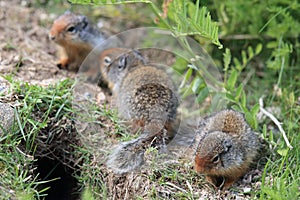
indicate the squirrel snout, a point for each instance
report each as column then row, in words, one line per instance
column 52, row 37
column 53, row 34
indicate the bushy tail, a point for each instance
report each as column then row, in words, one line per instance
column 129, row 156
column 126, row 157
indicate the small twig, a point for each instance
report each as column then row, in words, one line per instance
column 261, row 105
column 28, row 156
column 244, row 37
column 189, row 186
column 178, row 188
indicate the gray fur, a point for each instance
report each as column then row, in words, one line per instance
column 126, row 157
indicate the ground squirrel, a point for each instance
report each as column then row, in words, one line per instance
column 146, row 97
column 75, row 36
column 225, row 147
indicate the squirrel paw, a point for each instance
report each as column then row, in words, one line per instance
column 128, row 156
column 62, row 63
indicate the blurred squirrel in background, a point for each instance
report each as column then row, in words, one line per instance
column 75, row 37
column 225, row 147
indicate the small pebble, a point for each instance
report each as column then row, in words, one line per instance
column 101, row 97
column 88, row 95
column 247, row 190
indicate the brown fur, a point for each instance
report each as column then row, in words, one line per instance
column 145, row 96
column 226, row 148
column 106, row 58
column 72, row 47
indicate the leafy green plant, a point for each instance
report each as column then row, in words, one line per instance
column 184, row 19
column 235, row 94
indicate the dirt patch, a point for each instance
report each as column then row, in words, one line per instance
column 26, row 51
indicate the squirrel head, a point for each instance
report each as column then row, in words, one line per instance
column 107, row 56
column 222, row 143
column 225, row 147
column 218, row 154
column 68, row 27
column 118, row 67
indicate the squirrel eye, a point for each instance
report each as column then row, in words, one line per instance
column 216, row 159
column 107, row 60
column 71, row 29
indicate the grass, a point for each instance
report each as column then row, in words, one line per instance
column 35, row 107
column 43, row 124
column 281, row 177
column 17, row 178
column 281, row 180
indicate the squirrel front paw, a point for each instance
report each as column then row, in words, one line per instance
column 62, row 63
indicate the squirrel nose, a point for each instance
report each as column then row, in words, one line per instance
column 52, row 37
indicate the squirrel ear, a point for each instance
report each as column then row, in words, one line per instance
column 227, row 144
column 84, row 20
column 139, row 56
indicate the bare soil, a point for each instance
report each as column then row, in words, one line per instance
column 26, row 50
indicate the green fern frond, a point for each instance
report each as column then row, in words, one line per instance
column 184, row 18
column 191, row 19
